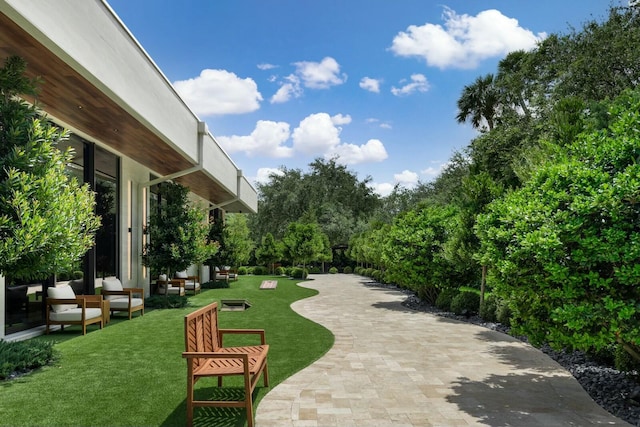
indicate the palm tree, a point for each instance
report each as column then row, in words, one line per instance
column 479, row 103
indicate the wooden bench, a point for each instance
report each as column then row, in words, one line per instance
column 207, row 357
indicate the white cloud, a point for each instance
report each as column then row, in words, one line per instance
column 316, row 134
column 320, row 75
column 432, row 172
column 372, row 151
column 267, row 139
column 265, row 66
column 383, row 189
column 216, row 92
column 290, row 89
column 385, row 126
column 464, row 40
column 418, row 83
column 406, row 178
column 339, row 119
column 264, row 174
column 372, row 85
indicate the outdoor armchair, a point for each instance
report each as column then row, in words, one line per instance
column 171, row 286
column 122, row 299
column 64, row 307
column 191, row 283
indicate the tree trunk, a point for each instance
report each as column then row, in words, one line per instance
column 483, row 284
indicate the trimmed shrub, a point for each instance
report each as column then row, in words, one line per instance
column 347, row 270
column 358, row 270
column 259, row 270
column 22, row 356
column 466, row 303
column 333, row 270
column 242, row 271
column 443, row 301
column 489, row 308
column 314, row 269
column 215, row 284
column 170, row 301
column 299, row 273
column 376, row 275
column 280, row 271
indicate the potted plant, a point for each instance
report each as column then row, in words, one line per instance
column 178, row 233
column 47, row 219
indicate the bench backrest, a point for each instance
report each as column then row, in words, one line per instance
column 201, row 330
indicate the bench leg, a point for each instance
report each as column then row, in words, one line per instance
column 190, row 384
column 265, row 374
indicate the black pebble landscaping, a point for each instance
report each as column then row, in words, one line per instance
column 617, row 392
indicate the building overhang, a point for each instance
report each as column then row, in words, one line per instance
column 107, row 108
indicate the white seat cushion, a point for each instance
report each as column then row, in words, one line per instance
column 63, row 292
column 123, row 303
column 112, row 284
column 75, row 314
column 191, row 285
column 172, row 289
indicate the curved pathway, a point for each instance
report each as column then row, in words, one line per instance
column 391, row 366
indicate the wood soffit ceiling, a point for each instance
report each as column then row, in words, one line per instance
column 67, row 95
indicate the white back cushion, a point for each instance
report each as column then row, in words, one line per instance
column 112, row 284
column 63, row 292
column 182, row 274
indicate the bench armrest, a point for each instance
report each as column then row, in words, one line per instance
column 260, row 332
column 214, row 355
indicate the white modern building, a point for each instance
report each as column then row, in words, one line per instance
column 131, row 130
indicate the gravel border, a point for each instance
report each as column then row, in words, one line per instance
column 615, row 391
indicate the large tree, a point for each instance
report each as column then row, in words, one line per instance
column 340, row 201
column 47, row 219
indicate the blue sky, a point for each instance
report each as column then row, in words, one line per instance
column 373, row 83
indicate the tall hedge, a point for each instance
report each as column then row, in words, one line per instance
column 565, row 248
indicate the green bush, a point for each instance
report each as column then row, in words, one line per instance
column 624, row 361
column 368, row 271
column 443, row 301
column 242, row 271
column 22, row 356
column 280, row 271
column 215, row 284
column 376, row 275
column 347, row 270
column 169, row 301
column 333, row 270
column 489, row 308
column 315, row 269
column 358, row 270
column 466, row 303
column 259, row 270
column 299, row 273
column 504, row 313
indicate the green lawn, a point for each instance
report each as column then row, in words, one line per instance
column 132, row 372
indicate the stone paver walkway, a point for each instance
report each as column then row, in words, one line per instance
column 391, row 366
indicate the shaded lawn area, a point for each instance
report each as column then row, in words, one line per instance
column 132, row 372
